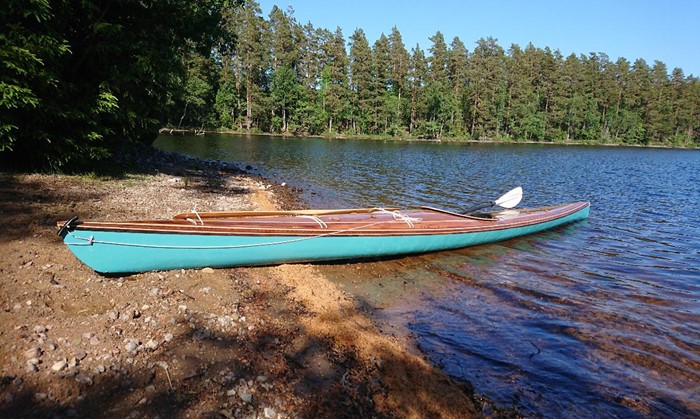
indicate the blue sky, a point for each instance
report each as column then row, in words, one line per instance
column 664, row 30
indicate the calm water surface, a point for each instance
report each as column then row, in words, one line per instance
column 596, row 319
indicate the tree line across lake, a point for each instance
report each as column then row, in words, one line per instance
column 80, row 78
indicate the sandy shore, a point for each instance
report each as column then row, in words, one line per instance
column 247, row 342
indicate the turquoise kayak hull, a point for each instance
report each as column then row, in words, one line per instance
column 114, row 252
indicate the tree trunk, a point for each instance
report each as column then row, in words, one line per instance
column 398, row 109
column 474, row 109
column 412, row 121
column 183, row 116
column 248, row 106
column 284, row 118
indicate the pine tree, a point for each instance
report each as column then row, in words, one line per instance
column 457, row 73
column 527, row 93
column 417, row 75
column 250, row 56
column 638, row 93
column 683, row 108
column 658, row 105
column 199, row 87
column 438, row 97
column 286, row 51
column 549, row 87
column 399, row 72
column 383, row 101
column 438, row 61
column 619, row 73
column 284, row 92
column 311, row 119
column 606, row 93
column 487, row 89
column 334, row 89
column 690, row 101
column 285, row 38
column 361, row 82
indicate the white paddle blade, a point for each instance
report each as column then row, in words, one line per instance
column 510, row 199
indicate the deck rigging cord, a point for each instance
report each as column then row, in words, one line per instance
column 396, row 216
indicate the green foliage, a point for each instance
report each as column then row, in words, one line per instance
column 527, row 94
column 81, row 78
column 285, row 93
column 196, row 93
column 398, row 82
column 362, row 84
column 226, row 105
column 25, row 46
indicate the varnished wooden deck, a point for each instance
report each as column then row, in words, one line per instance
column 365, row 223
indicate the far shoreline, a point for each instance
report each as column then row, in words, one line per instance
column 202, row 132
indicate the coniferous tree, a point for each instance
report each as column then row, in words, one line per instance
column 458, row 67
column 683, row 108
column 399, row 73
column 658, row 106
column 285, row 38
column 607, row 93
column 572, row 96
column 334, row 89
column 417, row 76
column 199, row 89
column 629, row 126
column 284, row 91
column 639, row 88
column 227, row 103
column 439, row 103
column 588, row 89
column 487, row 88
column 361, row 82
column 620, row 75
column 547, row 86
column 384, row 103
column 311, row 118
column 250, row 56
column 523, row 117
column 438, row 61
column 68, row 94
column 530, row 94
column 690, row 102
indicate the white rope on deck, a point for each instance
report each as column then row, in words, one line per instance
column 318, row 221
column 399, row 217
column 194, row 210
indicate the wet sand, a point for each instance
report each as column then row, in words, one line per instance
column 278, row 341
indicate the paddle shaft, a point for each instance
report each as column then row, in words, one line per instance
column 479, row 207
column 509, row 200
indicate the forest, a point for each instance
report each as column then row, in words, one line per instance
column 79, row 78
column 281, row 76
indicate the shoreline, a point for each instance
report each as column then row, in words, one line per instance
column 203, row 132
column 278, row 341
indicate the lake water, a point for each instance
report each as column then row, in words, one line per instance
column 596, row 319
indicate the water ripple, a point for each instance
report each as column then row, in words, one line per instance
column 596, row 319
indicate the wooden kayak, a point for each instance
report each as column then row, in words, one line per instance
column 197, row 240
